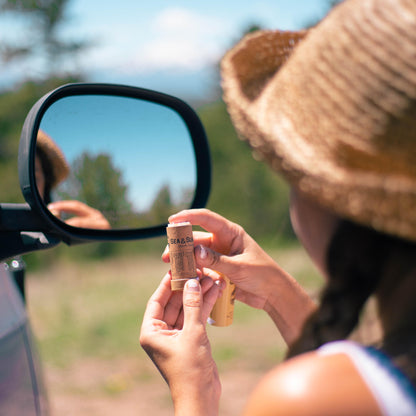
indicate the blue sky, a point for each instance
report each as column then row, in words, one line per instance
column 148, row 143
column 164, row 45
column 169, row 46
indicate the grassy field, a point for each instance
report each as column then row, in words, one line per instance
column 87, row 317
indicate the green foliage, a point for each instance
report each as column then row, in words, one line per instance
column 162, row 206
column 14, row 106
column 42, row 38
column 244, row 189
column 95, row 181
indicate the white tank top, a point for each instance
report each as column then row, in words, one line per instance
column 391, row 389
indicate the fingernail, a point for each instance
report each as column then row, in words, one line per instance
column 192, row 285
column 166, row 250
column 210, row 321
column 203, row 253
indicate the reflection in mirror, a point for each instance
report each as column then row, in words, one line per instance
column 114, row 162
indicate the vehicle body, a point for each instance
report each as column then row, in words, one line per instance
column 139, row 132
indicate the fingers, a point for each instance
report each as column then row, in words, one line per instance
column 192, row 304
column 210, row 221
column 210, row 259
column 168, row 306
column 158, row 301
column 84, row 215
column 225, row 234
column 210, row 297
column 173, row 310
column 200, row 238
column 210, row 292
column 71, row 207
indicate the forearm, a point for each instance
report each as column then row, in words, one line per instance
column 288, row 305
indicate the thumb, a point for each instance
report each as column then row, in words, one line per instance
column 192, row 303
column 205, row 257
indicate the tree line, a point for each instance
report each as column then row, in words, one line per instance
column 243, row 189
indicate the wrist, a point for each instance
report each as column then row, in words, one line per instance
column 192, row 401
column 197, row 391
column 288, row 305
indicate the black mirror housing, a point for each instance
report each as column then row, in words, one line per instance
column 38, row 218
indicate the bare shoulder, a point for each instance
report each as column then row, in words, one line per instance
column 313, row 384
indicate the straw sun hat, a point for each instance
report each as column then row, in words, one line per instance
column 58, row 164
column 334, row 109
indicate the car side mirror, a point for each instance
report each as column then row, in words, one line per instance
column 108, row 162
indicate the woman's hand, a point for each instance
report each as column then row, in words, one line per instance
column 260, row 281
column 84, row 215
column 174, row 336
column 227, row 248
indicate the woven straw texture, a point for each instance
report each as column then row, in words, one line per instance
column 334, row 109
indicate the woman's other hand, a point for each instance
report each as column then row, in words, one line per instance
column 83, row 215
column 174, row 336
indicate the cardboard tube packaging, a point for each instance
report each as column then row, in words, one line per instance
column 223, row 311
column 183, row 268
column 181, row 252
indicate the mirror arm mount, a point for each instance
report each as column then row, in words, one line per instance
column 20, row 217
column 14, row 243
column 20, row 234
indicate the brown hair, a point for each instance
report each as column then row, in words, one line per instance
column 358, row 260
column 48, row 174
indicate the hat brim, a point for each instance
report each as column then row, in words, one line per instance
column 292, row 97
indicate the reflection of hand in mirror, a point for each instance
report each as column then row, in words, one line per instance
column 84, row 216
column 51, row 168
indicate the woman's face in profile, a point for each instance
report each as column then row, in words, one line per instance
column 314, row 227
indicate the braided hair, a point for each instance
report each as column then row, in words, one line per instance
column 358, row 260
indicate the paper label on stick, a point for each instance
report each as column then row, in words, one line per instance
column 181, row 252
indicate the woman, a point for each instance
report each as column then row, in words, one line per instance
column 51, row 168
column 334, row 111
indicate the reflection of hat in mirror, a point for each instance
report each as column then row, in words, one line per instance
column 58, row 166
column 334, row 109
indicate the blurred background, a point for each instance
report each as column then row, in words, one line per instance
column 86, row 302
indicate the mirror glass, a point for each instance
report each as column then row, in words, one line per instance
column 114, row 162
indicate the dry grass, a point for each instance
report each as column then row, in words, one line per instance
column 87, row 320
